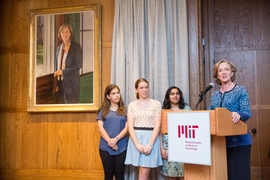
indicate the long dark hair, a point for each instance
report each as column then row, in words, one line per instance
column 167, row 103
column 105, row 107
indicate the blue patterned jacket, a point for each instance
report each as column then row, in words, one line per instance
column 235, row 100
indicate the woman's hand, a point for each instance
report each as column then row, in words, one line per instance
column 140, row 148
column 147, row 149
column 58, row 72
column 115, row 147
column 235, row 117
column 112, row 142
column 164, row 154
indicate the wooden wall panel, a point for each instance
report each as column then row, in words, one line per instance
column 264, row 89
column 19, row 31
column 44, row 145
column 106, row 67
column 37, row 4
column 107, row 33
column 254, row 122
column 5, row 87
column 261, row 23
column 52, row 3
column 195, row 54
column 3, row 137
column 232, row 22
column 38, row 138
column 264, row 86
column 50, row 174
column 18, row 80
column 107, row 23
column 13, row 139
column 263, row 57
column 5, row 19
column 265, row 126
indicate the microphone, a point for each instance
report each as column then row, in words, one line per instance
column 210, row 86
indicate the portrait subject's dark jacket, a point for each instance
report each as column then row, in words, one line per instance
column 71, row 73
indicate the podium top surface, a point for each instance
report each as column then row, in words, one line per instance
column 220, row 122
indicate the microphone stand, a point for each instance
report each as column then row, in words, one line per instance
column 201, row 94
column 200, row 100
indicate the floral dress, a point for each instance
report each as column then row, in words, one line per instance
column 172, row 169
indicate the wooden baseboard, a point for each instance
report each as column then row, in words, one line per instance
column 50, row 174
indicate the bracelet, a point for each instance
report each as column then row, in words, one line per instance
column 116, row 138
column 150, row 145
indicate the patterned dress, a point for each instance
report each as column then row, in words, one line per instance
column 144, row 119
column 172, row 169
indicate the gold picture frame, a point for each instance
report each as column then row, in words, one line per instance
column 85, row 21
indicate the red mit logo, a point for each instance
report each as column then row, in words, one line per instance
column 187, row 130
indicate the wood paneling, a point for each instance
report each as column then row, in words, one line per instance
column 107, row 23
column 5, row 18
column 265, row 114
column 261, row 23
column 263, row 57
column 195, row 54
column 58, row 145
column 255, row 148
column 263, row 84
column 232, row 23
column 19, row 35
column 5, row 79
column 39, row 174
column 18, row 80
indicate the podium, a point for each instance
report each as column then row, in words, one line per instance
column 221, row 125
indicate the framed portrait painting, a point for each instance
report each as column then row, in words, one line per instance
column 64, row 59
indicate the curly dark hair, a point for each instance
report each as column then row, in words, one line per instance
column 167, row 103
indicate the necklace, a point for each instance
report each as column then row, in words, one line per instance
column 66, row 43
column 66, row 46
column 227, row 89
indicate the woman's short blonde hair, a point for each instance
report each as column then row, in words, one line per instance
column 215, row 70
column 61, row 29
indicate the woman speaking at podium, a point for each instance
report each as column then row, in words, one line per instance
column 235, row 98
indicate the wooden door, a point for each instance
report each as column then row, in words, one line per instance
column 239, row 31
